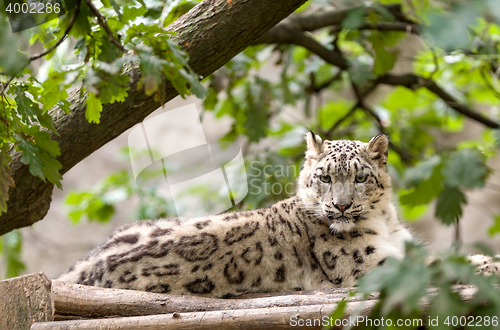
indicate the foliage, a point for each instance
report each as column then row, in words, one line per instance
column 11, row 246
column 403, row 286
column 107, row 41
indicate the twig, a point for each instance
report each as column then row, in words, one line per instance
column 68, row 29
column 104, row 25
column 362, row 96
column 5, row 85
column 405, row 156
column 341, row 120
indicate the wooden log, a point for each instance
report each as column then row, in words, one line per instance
column 25, row 300
column 275, row 318
column 75, row 301
column 81, row 301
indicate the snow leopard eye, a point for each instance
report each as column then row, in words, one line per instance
column 361, row 177
column 325, row 178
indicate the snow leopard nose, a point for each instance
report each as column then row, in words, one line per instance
column 342, row 208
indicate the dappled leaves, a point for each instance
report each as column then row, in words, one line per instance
column 403, row 286
column 11, row 247
column 98, row 204
column 445, row 177
column 101, row 63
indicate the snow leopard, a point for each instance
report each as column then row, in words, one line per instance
column 341, row 223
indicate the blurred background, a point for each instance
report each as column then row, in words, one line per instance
column 426, row 73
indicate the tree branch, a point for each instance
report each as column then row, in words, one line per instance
column 211, row 33
column 405, row 156
column 359, row 98
column 290, row 34
column 386, row 26
column 335, row 17
column 290, row 31
column 413, row 81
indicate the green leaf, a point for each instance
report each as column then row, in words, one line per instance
column 360, row 72
column 426, row 190
column 337, row 313
column 151, row 68
column 332, row 111
column 46, row 121
column 449, row 205
column 423, row 171
column 31, row 156
column 466, row 168
column 256, row 110
column 384, row 60
column 11, row 60
column 400, row 98
column 131, row 13
column 94, row 108
column 11, row 247
column 495, row 228
column 194, row 84
column 51, row 169
column 53, row 90
column 412, row 213
column 26, row 107
column 354, row 18
column 115, row 89
column 90, row 205
column 402, row 283
column 43, row 141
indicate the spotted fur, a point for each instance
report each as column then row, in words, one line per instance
column 340, row 224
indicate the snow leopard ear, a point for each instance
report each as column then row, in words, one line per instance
column 314, row 145
column 378, row 148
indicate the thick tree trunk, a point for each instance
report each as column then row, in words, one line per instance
column 212, row 33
